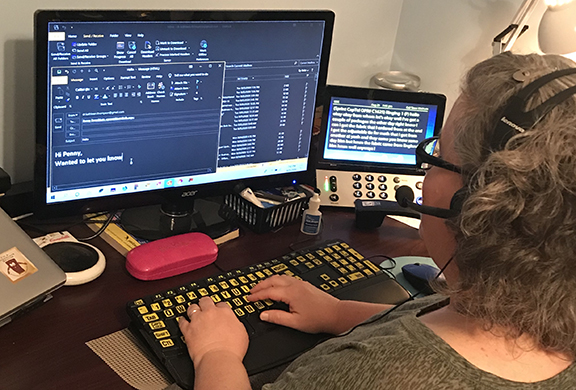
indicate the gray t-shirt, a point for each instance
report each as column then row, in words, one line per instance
column 398, row 352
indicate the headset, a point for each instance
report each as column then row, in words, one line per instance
column 514, row 119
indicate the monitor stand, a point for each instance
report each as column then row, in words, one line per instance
column 169, row 219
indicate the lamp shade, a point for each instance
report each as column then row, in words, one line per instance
column 557, row 31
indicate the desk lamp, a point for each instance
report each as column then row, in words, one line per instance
column 556, row 33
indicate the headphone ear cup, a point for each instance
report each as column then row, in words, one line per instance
column 458, row 199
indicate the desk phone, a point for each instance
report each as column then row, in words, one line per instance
column 342, row 188
column 368, row 140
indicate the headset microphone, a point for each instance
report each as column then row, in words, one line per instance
column 405, row 198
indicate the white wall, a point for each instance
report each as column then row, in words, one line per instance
column 363, row 42
column 439, row 40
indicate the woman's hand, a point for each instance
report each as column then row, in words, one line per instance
column 213, row 329
column 311, row 309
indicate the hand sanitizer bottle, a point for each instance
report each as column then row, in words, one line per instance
column 312, row 217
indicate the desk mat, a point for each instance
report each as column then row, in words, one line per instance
column 122, row 353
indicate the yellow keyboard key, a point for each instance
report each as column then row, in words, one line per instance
column 166, row 343
column 259, row 305
column 180, row 309
column 157, row 325
column 224, row 285
column 150, row 317
column 161, row 334
column 372, row 266
column 356, row 276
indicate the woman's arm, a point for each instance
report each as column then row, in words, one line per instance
column 220, row 370
column 311, row 309
column 217, row 343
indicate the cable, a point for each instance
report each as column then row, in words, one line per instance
column 19, row 217
column 101, row 230
column 38, row 225
column 389, row 269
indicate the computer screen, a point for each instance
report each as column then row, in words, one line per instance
column 133, row 106
column 371, row 129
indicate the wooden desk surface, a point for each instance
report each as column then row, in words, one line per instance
column 45, row 348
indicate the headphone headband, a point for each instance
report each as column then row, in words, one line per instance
column 515, row 119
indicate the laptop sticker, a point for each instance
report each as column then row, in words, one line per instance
column 15, row 266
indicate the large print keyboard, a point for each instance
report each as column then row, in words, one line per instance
column 333, row 266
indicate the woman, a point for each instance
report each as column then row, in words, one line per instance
column 507, row 318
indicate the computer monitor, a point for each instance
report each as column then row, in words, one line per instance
column 368, row 141
column 143, row 107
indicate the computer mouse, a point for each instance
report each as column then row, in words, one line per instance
column 419, row 275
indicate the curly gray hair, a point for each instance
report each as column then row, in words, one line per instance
column 516, row 235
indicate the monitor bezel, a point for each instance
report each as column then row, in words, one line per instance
column 332, row 91
column 42, row 209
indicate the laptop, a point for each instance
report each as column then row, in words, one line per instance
column 27, row 274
